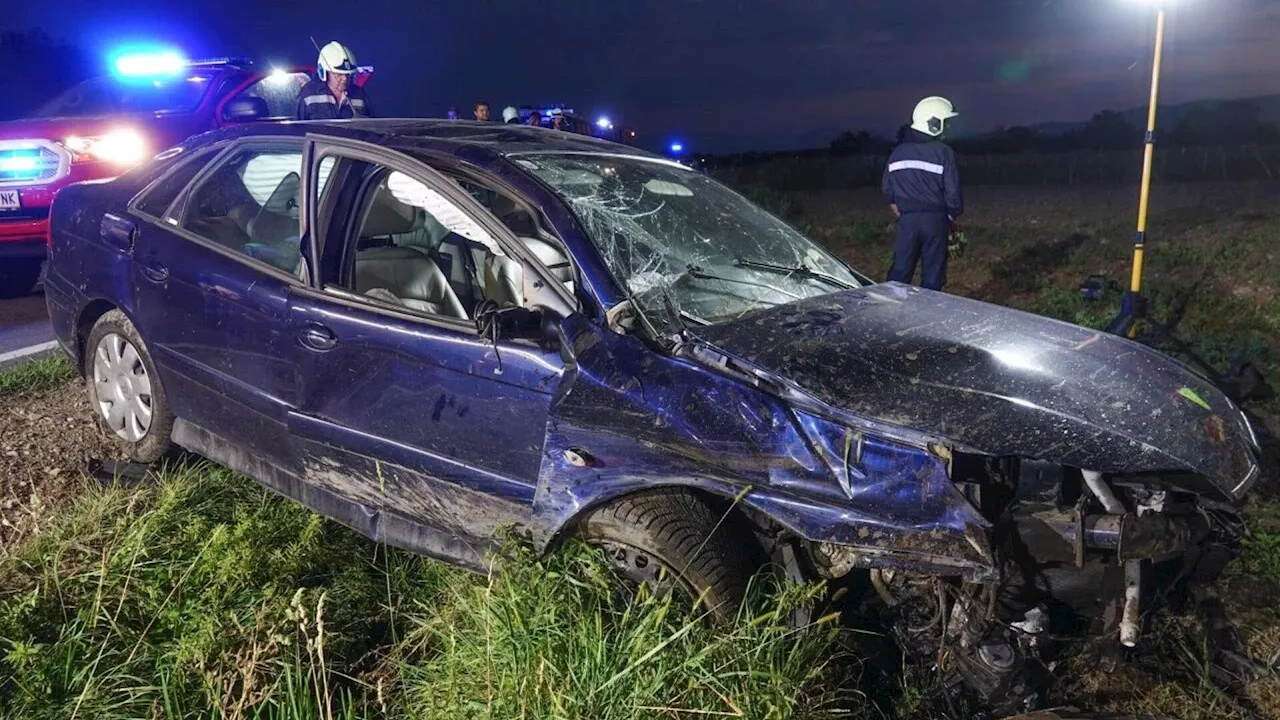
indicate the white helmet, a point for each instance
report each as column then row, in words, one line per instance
column 930, row 115
column 335, row 57
column 510, row 114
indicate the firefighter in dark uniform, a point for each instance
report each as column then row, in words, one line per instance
column 333, row 96
column 922, row 186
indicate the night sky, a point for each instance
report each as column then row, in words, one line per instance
column 728, row 74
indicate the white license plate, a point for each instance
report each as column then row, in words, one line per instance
column 9, row 200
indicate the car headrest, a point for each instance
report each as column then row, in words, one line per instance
column 388, row 216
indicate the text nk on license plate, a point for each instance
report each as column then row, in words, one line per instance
column 9, row 200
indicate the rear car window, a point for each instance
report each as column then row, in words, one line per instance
column 158, row 199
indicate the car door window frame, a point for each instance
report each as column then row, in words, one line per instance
column 175, row 216
column 210, row 154
column 414, row 167
column 544, row 231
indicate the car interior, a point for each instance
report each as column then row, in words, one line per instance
column 244, row 207
column 406, row 255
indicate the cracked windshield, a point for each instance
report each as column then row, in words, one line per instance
column 681, row 242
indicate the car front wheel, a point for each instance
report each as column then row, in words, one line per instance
column 125, row 390
column 673, row 538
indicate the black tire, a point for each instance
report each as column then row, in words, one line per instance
column 18, row 276
column 157, row 441
column 706, row 554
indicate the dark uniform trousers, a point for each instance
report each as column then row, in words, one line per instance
column 922, row 238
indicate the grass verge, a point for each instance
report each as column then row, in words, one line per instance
column 207, row 596
column 36, row 376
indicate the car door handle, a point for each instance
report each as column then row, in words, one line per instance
column 318, row 337
column 118, row 232
column 154, row 270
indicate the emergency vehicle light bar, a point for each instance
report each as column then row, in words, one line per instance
column 220, row 62
column 168, row 63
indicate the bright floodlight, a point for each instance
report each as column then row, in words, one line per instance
column 604, row 124
column 150, row 64
column 278, row 77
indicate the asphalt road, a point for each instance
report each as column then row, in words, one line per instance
column 24, row 330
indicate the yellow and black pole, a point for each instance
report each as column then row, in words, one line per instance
column 1133, row 309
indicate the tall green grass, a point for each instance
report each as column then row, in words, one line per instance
column 206, row 596
column 36, row 376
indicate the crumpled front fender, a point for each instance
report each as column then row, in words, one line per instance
column 627, row 419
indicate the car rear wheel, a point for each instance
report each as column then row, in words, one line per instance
column 673, row 539
column 125, row 390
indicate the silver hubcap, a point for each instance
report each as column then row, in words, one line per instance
column 123, row 387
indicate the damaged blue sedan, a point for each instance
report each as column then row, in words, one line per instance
column 433, row 330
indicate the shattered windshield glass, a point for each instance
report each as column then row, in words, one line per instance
column 685, row 245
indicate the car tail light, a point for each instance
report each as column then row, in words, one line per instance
column 118, row 147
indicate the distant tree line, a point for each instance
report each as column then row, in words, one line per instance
column 1237, row 122
column 1222, row 141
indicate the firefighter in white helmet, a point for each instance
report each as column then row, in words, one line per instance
column 332, row 96
column 922, row 187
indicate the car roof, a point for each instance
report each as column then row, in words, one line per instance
column 444, row 136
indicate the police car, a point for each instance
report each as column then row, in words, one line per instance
column 150, row 101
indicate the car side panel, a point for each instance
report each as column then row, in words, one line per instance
column 645, row 420
column 417, row 418
column 83, row 267
column 214, row 326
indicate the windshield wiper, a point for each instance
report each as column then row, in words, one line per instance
column 698, row 273
column 673, row 307
column 803, row 271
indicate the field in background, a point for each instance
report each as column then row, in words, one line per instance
column 816, row 171
column 206, row 596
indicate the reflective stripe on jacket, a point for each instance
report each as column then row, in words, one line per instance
column 922, row 177
column 315, row 102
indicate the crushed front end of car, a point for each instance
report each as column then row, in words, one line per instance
column 991, row 479
column 982, row 473
column 1015, row 477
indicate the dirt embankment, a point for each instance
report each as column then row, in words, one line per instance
column 46, row 438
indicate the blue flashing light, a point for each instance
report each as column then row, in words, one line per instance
column 18, row 164
column 149, row 64
column 677, row 148
column 604, row 123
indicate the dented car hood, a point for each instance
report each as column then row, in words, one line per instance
column 999, row 381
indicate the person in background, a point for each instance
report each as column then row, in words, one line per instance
column 558, row 120
column 922, row 187
column 510, row 115
column 452, row 114
column 332, row 96
column 535, row 118
column 481, row 111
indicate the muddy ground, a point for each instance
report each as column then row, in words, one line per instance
column 46, row 439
